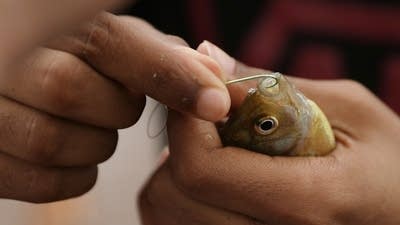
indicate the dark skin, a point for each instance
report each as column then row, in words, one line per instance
column 203, row 182
column 63, row 97
column 58, row 126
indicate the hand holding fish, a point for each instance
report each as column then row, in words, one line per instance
column 203, row 182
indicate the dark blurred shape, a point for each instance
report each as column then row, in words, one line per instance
column 310, row 38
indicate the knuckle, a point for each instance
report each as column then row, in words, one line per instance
column 96, row 36
column 187, row 59
column 63, row 84
column 176, row 39
column 44, row 138
column 181, row 53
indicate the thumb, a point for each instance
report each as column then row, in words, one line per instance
column 232, row 69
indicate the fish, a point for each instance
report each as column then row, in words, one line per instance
column 276, row 119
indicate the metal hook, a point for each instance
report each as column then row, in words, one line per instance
column 274, row 76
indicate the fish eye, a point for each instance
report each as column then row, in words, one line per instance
column 266, row 125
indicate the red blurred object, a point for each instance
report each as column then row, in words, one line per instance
column 362, row 37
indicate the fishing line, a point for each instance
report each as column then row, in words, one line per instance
column 151, row 118
column 275, row 80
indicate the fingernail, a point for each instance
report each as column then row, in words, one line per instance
column 213, row 104
column 226, row 62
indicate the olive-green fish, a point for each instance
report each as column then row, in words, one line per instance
column 277, row 119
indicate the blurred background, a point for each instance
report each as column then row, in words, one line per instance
column 318, row 39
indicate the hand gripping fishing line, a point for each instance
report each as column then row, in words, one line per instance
column 271, row 82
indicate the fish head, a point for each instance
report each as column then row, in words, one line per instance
column 271, row 120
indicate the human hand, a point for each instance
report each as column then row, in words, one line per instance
column 62, row 105
column 203, row 182
column 49, row 144
column 24, row 24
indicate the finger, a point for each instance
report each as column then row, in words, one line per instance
column 24, row 24
column 63, row 85
column 147, row 61
column 40, row 138
column 232, row 69
column 243, row 181
column 28, row 182
column 161, row 202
